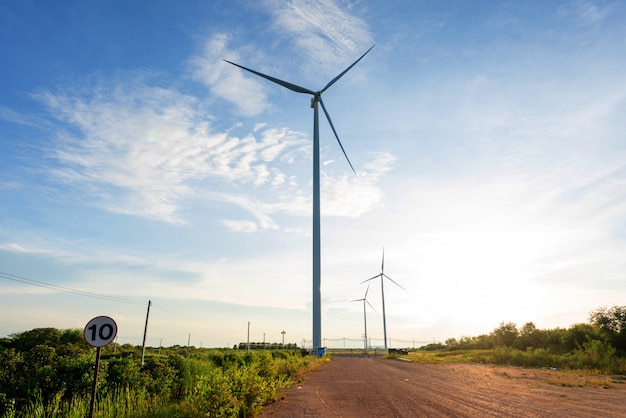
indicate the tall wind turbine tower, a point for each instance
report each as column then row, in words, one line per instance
column 365, row 301
column 382, row 276
column 315, row 100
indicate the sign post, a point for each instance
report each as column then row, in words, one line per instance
column 100, row 331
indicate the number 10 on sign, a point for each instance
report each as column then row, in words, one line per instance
column 100, row 331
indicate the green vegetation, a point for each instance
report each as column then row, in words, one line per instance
column 598, row 345
column 48, row 372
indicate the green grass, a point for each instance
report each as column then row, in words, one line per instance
column 593, row 357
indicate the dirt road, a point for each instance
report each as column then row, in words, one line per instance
column 376, row 387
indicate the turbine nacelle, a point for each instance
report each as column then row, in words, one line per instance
column 315, row 99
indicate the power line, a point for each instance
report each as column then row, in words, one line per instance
column 21, row 279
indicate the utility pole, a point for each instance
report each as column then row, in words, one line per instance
column 145, row 331
column 248, row 341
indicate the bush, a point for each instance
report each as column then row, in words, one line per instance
column 159, row 377
column 597, row 355
column 212, row 396
column 123, row 373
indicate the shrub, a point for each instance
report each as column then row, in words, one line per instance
column 212, row 396
column 159, row 376
column 596, row 354
column 123, row 373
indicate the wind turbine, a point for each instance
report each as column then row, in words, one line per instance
column 382, row 275
column 364, row 299
column 315, row 100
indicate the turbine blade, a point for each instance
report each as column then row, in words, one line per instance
column 371, row 306
column 335, row 132
column 344, row 71
column 286, row 84
column 368, row 289
column 394, row 282
column 382, row 266
column 357, row 300
column 375, row 277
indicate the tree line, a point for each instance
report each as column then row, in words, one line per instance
column 607, row 325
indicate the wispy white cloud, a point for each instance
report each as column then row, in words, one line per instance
column 587, row 12
column 327, row 33
column 140, row 148
column 353, row 196
column 10, row 115
column 9, row 185
column 260, row 210
column 345, row 195
column 224, row 81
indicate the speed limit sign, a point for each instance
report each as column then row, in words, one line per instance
column 100, row 331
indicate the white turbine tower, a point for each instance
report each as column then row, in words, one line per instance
column 365, row 301
column 382, row 275
column 316, row 99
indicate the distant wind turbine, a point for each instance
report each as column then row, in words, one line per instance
column 382, row 275
column 364, row 299
column 317, row 98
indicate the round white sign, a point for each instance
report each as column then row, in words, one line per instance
column 100, row 331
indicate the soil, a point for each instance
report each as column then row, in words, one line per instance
column 377, row 387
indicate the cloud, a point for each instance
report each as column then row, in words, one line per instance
column 591, row 12
column 329, row 35
column 353, row 196
column 9, row 185
column 224, row 80
column 138, row 149
column 586, row 12
column 346, row 195
column 260, row 210
column 12, row 116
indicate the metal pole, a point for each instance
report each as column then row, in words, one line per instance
column 365, row 322
column 382, row 291
column 248, row 341
column 317, row 309
column 145, row 332
column 92, row 408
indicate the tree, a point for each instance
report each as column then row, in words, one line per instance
column 612, row 324
column 24, row 341
column 577, row 335
column 529, row 336
column 505, row 334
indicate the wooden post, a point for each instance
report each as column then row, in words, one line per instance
column 145, row 331
column 95, row 384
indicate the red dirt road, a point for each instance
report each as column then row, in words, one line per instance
column 376, row 387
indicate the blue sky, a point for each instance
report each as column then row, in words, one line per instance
column 488, row 140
